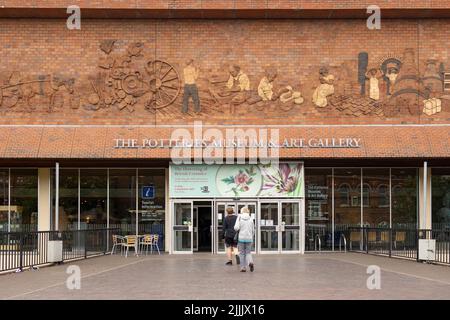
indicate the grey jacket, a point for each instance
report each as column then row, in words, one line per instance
column 246, row 227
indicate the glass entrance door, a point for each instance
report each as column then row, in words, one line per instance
column 183, row 227
column 290, row 226
column 280, row 226
column 269, row 227
column 221, row 213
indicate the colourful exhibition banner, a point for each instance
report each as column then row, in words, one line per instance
column 237, row 181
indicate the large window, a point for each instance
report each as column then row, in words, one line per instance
column 89, row 197
column 404, row 197
column 366, row 197
column 93, row 195
column 24, row 204
column 152, row 200
column 4, row 196
column 376, row 211
column 347, row 202
column 440, row 189
column 68, row 199
column 318, row 207
column 122, row 199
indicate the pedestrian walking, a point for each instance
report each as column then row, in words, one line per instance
column 229, row 236
column 246, row 231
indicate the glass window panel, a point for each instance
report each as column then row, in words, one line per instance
column 376, row 211
column 221, row 211
column 290, row 214
column 68, row 199
column 4, row 183
column 269, row 214
column 122, row 200
column 291, row 240
column 183, row 214
column 24, row 196
column 290, row 217
column 93, row 192
column 152, row 201
column 440, row 190
column 269, row 240
column 183, row 241
column 268, row 223
column 318, row 207
column 404, row 197
column 347, row 210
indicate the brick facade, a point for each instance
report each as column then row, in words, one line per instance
column 50, row 75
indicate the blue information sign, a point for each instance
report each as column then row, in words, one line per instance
column 148, row 192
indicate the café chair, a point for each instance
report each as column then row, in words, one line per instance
column 118, row 242
column 130, row 242
column 146, row 241
column 155, row 243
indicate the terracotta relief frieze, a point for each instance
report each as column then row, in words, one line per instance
column 127, row 81
column 24, row 94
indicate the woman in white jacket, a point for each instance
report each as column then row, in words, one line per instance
column 246, row 228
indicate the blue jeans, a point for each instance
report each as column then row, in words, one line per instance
column 245, row 253
column 190, row 90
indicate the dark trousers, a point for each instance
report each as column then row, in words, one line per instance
column 190, row 90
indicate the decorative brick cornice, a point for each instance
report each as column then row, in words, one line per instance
column 225, row 9
column 85, row 142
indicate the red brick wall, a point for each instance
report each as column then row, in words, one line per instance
column 228, row 4
column 296, row 48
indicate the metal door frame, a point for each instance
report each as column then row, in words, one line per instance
column 227, row 201
column 259, row 231
column 173, row 202
column 280, row 228
column 301, row 219
column 211, row 206
column 235, row 203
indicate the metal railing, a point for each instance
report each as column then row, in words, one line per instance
column 342, row 237
column 19, row 250
column 398, row 242
column 325, row 234
column 129, row 229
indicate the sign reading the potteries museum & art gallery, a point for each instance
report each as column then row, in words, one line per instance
column 148, row 143
column 234, row 180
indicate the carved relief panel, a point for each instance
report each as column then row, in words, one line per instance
column 128, row 81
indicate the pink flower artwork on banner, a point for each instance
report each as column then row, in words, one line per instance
column 284, row 179
column 241, row 181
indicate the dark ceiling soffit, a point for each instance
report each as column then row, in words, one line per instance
column 309, row 162
column 111, row 13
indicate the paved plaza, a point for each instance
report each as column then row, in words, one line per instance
column 204, row 276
